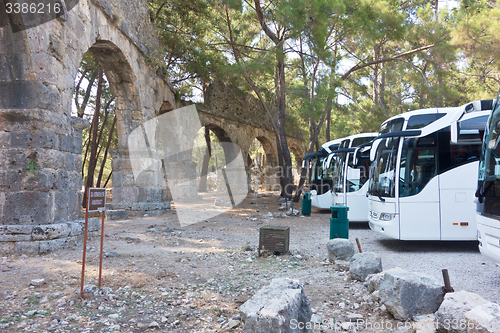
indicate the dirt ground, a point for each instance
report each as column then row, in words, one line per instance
column 159, row 276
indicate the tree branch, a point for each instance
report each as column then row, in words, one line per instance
column 355, row 68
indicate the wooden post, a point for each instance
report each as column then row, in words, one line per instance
column 85, row 243
column 102, row 245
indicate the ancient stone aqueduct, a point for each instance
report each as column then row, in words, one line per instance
column 41, row 211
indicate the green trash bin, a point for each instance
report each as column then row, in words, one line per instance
column 339, row 223
column 306, row 204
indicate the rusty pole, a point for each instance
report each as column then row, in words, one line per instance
column 85, row 242
column 359, row 245
column 102, row 242
column 447, row 286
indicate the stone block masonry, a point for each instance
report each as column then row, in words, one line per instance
column 41, row 143
column 41, row 239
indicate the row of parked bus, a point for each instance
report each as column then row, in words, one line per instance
column 418, row 178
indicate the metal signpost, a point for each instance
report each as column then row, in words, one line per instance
column 96, row 203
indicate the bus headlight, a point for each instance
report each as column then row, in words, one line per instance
column 386, row 216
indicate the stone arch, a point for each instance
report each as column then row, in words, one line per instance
column 269, row 149
column 130, row 113
column 298, row 152
column 37, row 129
column 230, row 151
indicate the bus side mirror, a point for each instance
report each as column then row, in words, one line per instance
column 454, row 132
column 355, row 159
column 373, row 150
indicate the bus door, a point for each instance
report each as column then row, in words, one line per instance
column 355, row 198
column 419, row 189
column 382, row 205
column 458, row 180
column 339, row 167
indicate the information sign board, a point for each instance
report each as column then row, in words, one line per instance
column 97, row 199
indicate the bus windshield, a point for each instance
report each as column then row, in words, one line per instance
column 383, row 168
column 338, row 171
column 394, row 125
column 489, row 166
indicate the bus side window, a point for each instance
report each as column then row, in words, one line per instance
column 452, row 155
column 418, row 167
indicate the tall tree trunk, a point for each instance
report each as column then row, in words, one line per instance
column 84, row 160
column 375, row 75
column 93, row 150
column 202, row 187
column 314, row 139
column 286, row 167
column 327, row 125
column 110, row 136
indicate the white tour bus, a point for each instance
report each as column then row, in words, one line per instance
column 351, row 175
column 488, row 189
column 320, row 178
column 423, row 174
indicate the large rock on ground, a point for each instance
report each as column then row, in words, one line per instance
column 364, row 264
column 407, row 294
column 280, row 307
column 464, row 312
column 373, row 281
column 339, row 249
column 484, row 318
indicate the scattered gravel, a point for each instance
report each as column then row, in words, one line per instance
column 158, row 276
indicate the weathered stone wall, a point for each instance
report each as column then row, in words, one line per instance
column 233, row 104
column 40, row 142
column 239, row 118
